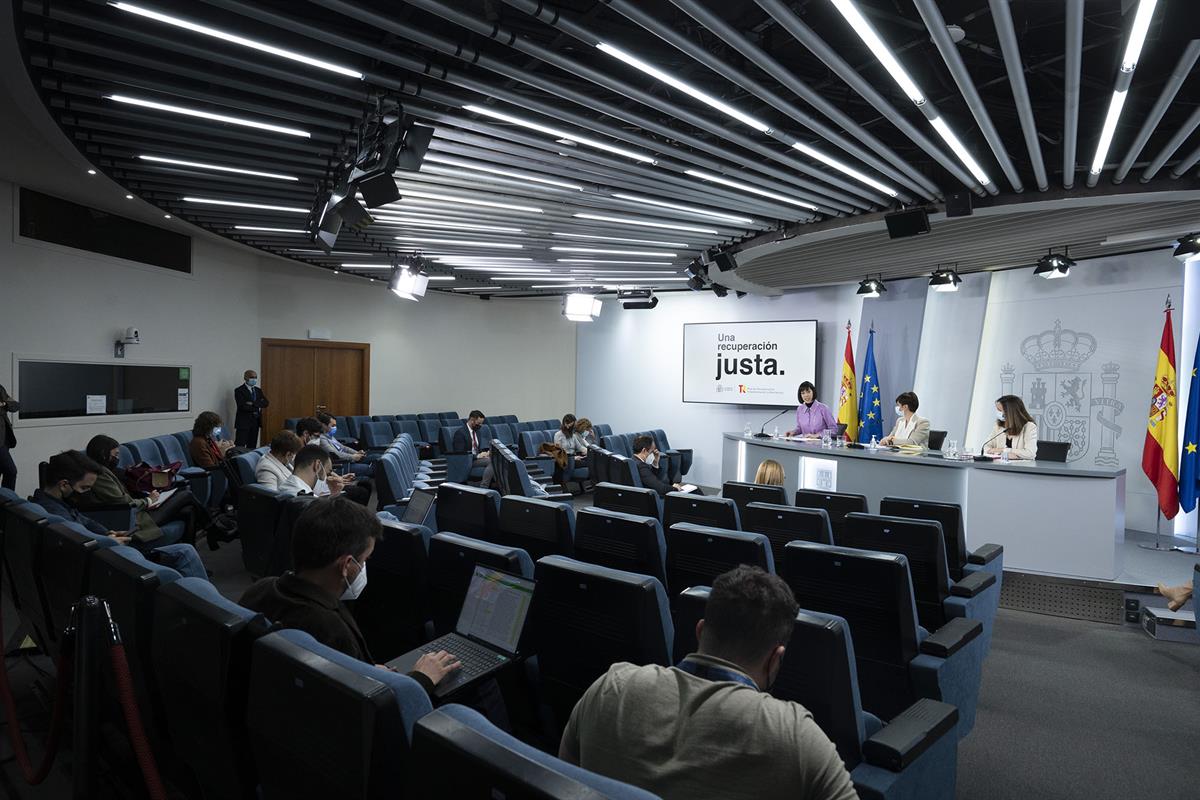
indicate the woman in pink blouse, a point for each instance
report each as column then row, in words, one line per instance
column 812, row 416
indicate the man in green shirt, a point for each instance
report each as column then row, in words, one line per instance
column 707, row 728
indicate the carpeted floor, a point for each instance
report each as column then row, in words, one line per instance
column 1072, row 709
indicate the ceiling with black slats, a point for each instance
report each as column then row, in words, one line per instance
column 604, row 144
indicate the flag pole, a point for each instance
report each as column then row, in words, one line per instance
column 1157, row 534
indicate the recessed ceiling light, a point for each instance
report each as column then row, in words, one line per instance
column 217, row 167
column 240, row 204
column 91, row 172
column 196, row 112
column 226, row 36
column 128, row 197
column 643, row 223
column 166, row 216
column 487, row 112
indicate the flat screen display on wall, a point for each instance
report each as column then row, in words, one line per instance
column 748, row 363
column 48, row 389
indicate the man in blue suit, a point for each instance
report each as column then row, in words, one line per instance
column 250, row 403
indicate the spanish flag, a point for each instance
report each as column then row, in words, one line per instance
column 1160, row 454
column 847, row 396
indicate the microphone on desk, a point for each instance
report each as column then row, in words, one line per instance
column 762, row 434
column 989, row 441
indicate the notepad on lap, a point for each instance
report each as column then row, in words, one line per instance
column 162, row 498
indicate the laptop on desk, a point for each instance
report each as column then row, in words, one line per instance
column 417, row 512
column 488, row 632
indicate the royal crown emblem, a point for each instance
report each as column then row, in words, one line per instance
column 1058, row 349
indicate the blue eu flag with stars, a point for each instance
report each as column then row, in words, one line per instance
column 1189, row 474
column 870, row 412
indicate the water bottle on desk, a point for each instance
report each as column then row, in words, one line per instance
column 748, row 430
column 1004, row 456
column 951, row 448
column 826, row 439
column 775, row 434
column 874, row 445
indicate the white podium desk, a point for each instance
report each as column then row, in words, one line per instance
column 1053, row 518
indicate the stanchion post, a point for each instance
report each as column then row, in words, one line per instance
column 89, row 621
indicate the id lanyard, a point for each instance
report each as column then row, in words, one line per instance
column 714, row 673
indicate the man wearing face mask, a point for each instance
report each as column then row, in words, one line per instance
column 331, row 544
column 310, row 473
column 468, row 439
column 250, row 402
column 668, row 730
column 646, row 458
column 309, row 430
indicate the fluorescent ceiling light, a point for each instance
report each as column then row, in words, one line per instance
column 441, row 277
column 653, row 253
column 525, row 176
column 687, row 209
column 239, row 204
column 1137, row 35
column 368, row 266
column 218, row 168
column 960, row 150
column 620, row 272
column 523, row 278
column 844, row 168
column 241, row 40
column 602, row 261
column 195, row 112
column 501, row 269
column 557, row 134
column 879, row 49
column 332, row 252
column 267, row 230
column 619, row 239
column 469, row 259
column 686, row 88
column 449, row 198
column 460, row 242
column 560, row 285
column 424, row 222
column 1110, row 128
column 708, row 176
column 643, row 223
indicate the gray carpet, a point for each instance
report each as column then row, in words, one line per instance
column 1072, row 709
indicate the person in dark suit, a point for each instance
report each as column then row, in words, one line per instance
column 646, row 455
column 250, row 403
column 331, row 543
column 467, row 440
column 8, row 439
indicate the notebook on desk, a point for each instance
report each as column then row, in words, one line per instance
column 488, row 632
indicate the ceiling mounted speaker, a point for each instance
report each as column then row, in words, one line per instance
column 903, row 224
column 724, row 262
column 959, row 204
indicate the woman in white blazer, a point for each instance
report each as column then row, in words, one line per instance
column 1015, row 429
column 274, row 468
column 910, row 429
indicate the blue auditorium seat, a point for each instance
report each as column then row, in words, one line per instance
column 468, row 510
column 503, row 432
column 682, row 455
column 914, row 757
column 623, row 471
column 450, row 565
column 383, row 418
column 921, row 541
column 203, row 642
column 961, row 561
column 354, row 425
column 24, row 527
column 782, row 524
column 621, row 541
column 323, row 724
column 406, row 417
column 462, row 755
column 584, row 618
column 899, row 662
column 743, row 493
column 245, row 465
column 530, row 441
column 375, row 436
column 393, row 608
column 618, row 443
column 697, row 554
column 719, row 512
column 162, row 451
column 602, row 430
column 146, row 450
column 64, row 556
column 539, row 527
column 258, row 513
column 836, row 504
column 429, row 415
column 628, row 499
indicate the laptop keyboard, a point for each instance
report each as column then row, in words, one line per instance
column 475, row 658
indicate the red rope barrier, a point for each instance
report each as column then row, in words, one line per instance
column 57, row 718
column 133, row 721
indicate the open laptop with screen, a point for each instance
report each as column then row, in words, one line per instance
column 488, row 631
column 420, row 504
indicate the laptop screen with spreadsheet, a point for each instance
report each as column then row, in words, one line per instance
column 495, row 608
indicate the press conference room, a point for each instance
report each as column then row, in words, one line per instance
column 566, row 400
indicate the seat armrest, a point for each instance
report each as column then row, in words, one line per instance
column 115, row 517
column 973, row 583
column 908, row 735
column 192, row 472
column 986, row 553
column 565, row 497
column 951, row 637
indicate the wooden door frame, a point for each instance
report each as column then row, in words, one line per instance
column 363, row 347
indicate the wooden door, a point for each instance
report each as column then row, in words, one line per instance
column 302, row 377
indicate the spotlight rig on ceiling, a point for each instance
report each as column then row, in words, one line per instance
column 387, row 140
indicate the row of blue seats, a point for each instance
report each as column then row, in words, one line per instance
column 691, row 554
column 586, row 616
column 232, row 705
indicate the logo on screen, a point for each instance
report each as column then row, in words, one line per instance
column 741, row 388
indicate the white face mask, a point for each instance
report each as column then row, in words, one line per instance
column 1000, row 416
column 355, row 588
column 899, row 411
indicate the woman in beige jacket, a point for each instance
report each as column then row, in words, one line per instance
column 1015, row 429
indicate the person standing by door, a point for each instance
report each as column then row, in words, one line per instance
column 8, row 439
column 250, row 403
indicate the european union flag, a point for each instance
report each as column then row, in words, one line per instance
column 1189, row 469
column 870, row 412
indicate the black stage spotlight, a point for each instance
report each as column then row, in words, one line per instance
column 1053, row 265
column 944, row 280
column 871, row 287
column 1189, row 247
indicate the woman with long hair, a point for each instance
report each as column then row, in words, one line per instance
column 1014, row 430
